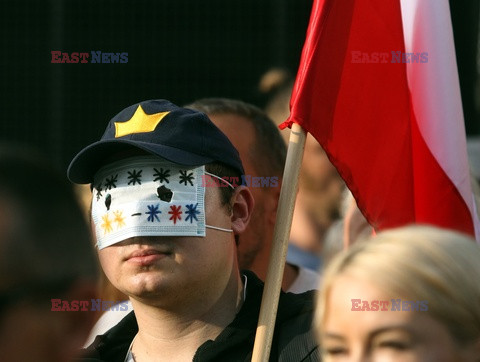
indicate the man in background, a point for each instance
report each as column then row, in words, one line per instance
column 263, row 154
column 319, row 186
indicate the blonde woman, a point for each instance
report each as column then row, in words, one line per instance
column 409, row 294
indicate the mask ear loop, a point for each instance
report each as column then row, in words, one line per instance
column 221, row 179
column 219, row 228
column 233, row 188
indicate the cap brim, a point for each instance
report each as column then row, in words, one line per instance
column 88, row 161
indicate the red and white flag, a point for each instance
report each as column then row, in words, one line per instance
column 378, row 87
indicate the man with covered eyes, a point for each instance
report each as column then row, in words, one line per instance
column 169, row 243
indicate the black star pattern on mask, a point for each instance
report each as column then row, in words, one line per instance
column 111, row 182
column 134, row 177
column 161, row 175
column 184, row 177
column 99, row 191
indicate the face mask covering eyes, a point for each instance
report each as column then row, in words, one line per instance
column 148, row 196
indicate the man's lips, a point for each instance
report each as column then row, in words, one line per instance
column 146, row 256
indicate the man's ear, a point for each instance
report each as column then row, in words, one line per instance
column 242, row 207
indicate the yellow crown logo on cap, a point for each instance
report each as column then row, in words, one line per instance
column 139, row 123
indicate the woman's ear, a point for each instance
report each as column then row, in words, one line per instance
column 242, row 207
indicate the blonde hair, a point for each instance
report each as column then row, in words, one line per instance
column 417, row 263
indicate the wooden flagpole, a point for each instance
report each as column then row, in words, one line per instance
column 278, row 255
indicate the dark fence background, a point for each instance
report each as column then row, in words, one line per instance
column 177, row 49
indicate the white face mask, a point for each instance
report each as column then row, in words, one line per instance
column 148, row 196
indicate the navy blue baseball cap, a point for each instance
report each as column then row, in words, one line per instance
column 159, row 127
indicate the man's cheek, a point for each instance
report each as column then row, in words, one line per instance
column 108, row 260
column 93, row 230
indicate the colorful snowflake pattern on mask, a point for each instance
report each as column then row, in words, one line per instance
column 192, row 212
column 176, row 213
column 118, row 218
column 153, row 212
column 107, row 224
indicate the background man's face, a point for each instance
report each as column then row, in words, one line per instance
column 242, row 134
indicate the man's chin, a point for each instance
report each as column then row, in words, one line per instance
column 147, row 284
column 152, row 297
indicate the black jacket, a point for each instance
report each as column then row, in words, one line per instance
column 293, row 340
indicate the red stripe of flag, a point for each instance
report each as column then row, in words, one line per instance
column 363, row 116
